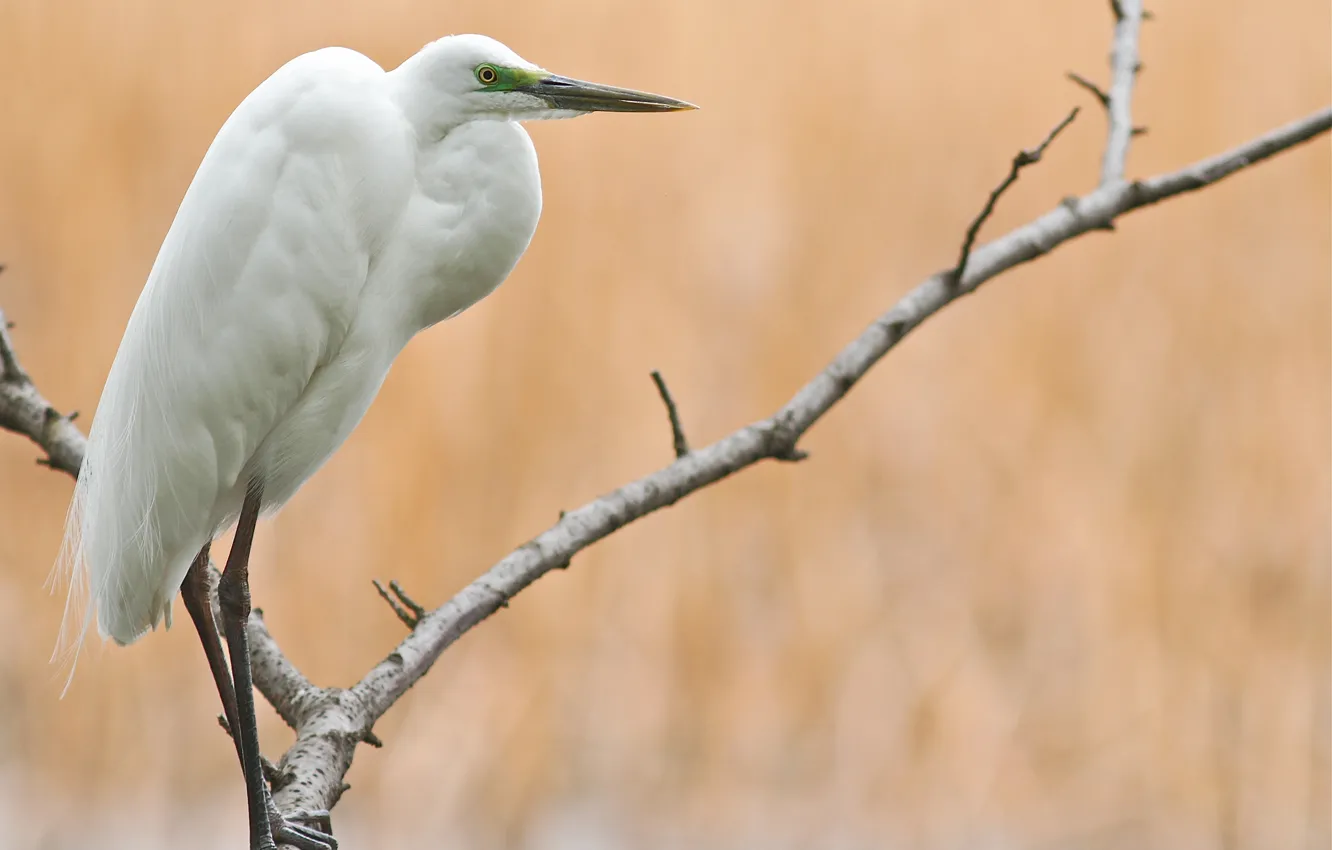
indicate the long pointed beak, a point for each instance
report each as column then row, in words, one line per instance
column 580, row 96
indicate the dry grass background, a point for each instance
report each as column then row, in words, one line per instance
column 1057, row 574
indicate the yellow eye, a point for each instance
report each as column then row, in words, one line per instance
column 487, row 75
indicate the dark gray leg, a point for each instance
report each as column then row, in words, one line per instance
column 196, row 593
column 233, row 592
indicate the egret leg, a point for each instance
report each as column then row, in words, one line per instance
column 197, row 595
column 233, row 592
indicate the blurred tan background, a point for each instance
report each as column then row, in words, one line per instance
column 1056, row 575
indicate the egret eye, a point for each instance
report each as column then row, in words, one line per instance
column 487, row 75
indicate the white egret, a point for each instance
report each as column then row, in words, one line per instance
column 340, row 210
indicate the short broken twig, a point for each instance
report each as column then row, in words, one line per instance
column 681, row 444
column 1021, row 161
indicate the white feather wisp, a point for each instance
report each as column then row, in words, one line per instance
column 140, row 504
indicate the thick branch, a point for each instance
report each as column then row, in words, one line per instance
column 1124, row 66
column 285, row 687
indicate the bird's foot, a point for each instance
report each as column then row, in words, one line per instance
column 303, row 830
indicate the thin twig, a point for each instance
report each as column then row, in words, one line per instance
column 679, row 442
column 1021, row 161
column 1097, row 91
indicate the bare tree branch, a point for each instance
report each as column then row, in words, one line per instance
column 777, row 434
column 1124, row 68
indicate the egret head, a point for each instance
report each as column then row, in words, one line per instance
column 479, row 78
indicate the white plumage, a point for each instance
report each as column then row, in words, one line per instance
column 340, row 210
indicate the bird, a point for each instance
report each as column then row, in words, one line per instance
column 340, row 210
